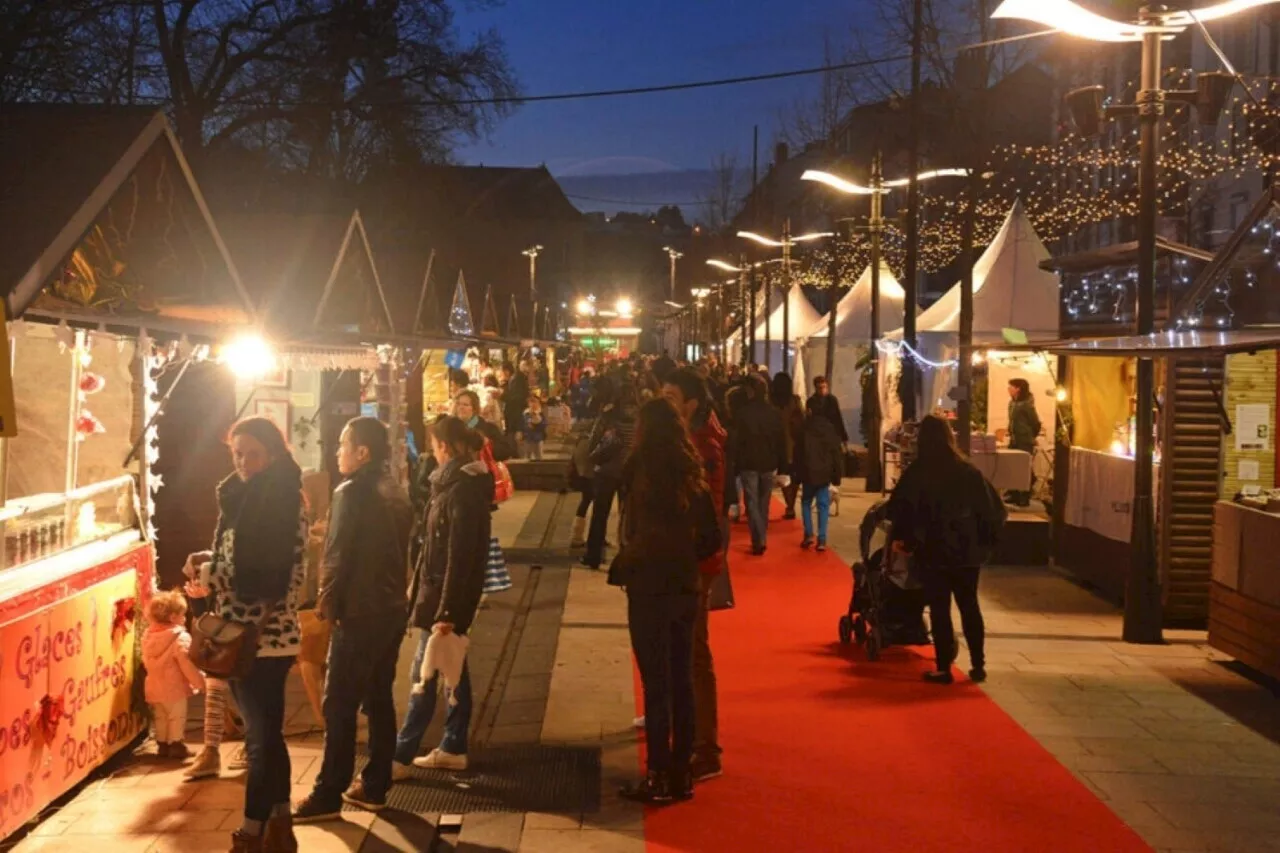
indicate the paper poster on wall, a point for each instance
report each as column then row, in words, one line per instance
column 1253, row 426
column 1248, row 470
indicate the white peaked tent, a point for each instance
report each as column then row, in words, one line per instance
column 853, row 334
column 802, row 319
column 1010, row 291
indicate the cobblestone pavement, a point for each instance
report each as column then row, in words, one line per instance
column 1177, row 743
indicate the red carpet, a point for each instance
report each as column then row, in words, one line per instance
column 825, row 751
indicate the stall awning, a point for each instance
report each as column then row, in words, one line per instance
column 1165, row 343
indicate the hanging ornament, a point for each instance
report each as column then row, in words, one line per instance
column 87, row 424
column 123, row 617
column 92, row 383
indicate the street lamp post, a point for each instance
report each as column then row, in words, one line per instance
column 674, row 255
column 878, row 189
column 532, row 254
column 1144, row 608
column 698, row 294
column 785, row 244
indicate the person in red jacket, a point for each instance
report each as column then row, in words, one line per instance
column 688, row 392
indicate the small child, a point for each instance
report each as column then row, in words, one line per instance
column 535, row 427
column 171, row 676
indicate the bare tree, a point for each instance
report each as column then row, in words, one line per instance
column 814, row 120
column 723, row 195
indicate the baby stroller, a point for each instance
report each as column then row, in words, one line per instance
column 887, row 606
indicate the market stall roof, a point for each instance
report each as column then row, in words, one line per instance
column 1010, row 289
column 64, row 168
column 853, row 311
column 1161, row 344
column 1118, row 253
column 313, row 274
column 802, row 319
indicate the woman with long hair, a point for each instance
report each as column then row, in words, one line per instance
column 448, row 579
column 784, row 398
column 669, row 524
column 254, row 575
column 948, row 517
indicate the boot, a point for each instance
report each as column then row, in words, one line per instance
column 579, row 536
column 244, row 843
column 207, row 765
column 278, row 837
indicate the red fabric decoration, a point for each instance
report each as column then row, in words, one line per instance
column 88, row 424
column 122, row 619
column 91, row 383
column 50, row 716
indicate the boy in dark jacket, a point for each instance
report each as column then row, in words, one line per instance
column 759, row 451
column 819, row 464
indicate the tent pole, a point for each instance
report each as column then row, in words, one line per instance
column 871, row 396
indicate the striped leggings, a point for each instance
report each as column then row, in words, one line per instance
column 217, row 702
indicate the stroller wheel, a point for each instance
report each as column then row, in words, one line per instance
column 860, row 630
column 846, row 629
column 874, row 644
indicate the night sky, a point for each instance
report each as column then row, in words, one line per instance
column 573, row 45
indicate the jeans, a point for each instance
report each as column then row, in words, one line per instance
column 662, row 630
column 604, row 489
column 822, row 494
column 422, row 707
column 362, row 672
column 940, row 584
column 706, row 738
column 260, row 695
column 757, row 491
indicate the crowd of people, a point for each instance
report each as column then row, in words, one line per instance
column 681, row 450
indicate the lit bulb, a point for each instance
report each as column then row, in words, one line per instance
column 249, row 357
column 1060, row 394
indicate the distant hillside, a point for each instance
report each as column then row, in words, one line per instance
column 636, row 193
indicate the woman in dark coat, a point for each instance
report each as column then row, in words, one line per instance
column 819, row 464
column 948, row 517
column 448, row 580
column 784, row 398
column 1024, row 427
column 670, row 525
column 610, row 442
column 254, row 575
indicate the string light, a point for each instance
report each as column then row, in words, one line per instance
column 897, row 348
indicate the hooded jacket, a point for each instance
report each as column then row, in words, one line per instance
column 171, row 676
column 366, row 557
column 819, row 461
column 709, row 438
column 449, row 576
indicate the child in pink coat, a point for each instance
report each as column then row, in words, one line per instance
column 172, row 678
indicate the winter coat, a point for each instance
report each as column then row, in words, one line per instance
column 499, row 445
column 828, row 406
column 662, row 552
column 258, row 551
column 1024, row 425
column 611, row 438
column 535, row 426
column 514, row 399
column 709, row 439
column 948, row 515
column 171, row 676
column 819, row 457
column 759, row 438
column 449, row 576
column 792, row 425
column 366, row 556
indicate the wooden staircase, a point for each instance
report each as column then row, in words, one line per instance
column 1190, row 474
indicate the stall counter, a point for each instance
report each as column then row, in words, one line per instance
column 1244, row 596
column 67, row 636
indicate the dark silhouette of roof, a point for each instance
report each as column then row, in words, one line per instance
column 486, row 192
column 60, row 166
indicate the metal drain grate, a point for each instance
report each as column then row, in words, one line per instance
column 506, row 779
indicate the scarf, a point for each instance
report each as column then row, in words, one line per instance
column 475, row 420
column 263, row 514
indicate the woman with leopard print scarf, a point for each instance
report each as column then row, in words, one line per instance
column 256, row 569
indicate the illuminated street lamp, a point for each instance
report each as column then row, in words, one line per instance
column 624, row 307
column 532, row 254
column 788, row 240
column 674, row 255
column 878, row 189
column 1143, row 607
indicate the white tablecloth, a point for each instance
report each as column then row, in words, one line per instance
column 1006, row 470
column 1100, row 493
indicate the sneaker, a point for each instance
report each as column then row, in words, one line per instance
column 179, row 751
column 822, row 546
column 277, row 835
column 162, row 750
column 706, row 768
column 806, row 543
column 357, row 796
column 401, row 772
column 438, row 759
column 938, row 676
column 638, row 722
column 239, row 760
column 978, row 674
column 653, row 790
column 208, row 764
column 681, row 786
column 311, row 810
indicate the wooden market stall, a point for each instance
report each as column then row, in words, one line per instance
column 118, row 283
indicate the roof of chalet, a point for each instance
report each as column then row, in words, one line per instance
column 487, row 192
column 61, row 165
column 1119, row 253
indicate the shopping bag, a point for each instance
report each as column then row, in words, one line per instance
column 496, row 576
column 721, row 593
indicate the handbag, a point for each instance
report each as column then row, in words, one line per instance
column 496, row 576
column 221, row 648
column 503, row 485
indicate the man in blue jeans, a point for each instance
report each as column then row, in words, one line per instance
column 452, row 754
column 758, row 449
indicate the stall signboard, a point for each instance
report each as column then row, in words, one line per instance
column 66, row 683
